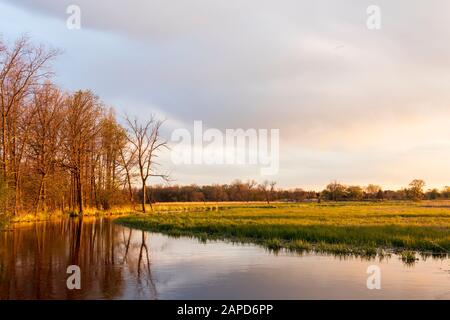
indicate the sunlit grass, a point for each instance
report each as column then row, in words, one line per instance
column 122, row 210
column 342, row 228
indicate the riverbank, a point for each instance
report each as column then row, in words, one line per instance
column 362, row 229
column 123, row 210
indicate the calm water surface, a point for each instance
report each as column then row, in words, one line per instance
column 120, row 263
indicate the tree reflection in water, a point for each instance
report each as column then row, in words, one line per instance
column 113, row 262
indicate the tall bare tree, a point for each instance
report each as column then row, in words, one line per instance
column 127, row 162
column 80, row 129
column 250, row 185
column 23, row 68
column 45, row 137
column 147, row 143
column 112, row 142
column 268, row 188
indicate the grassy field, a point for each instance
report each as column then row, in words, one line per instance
column 340, row 228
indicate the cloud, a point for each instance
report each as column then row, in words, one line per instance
column 340, row 93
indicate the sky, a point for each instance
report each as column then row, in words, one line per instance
column 351, row 104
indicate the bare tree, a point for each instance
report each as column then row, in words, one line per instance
column 268, row 189
column 45, row 136
column 415, row 191
column 372, row 190
column 250, row 185
column 70, row 139
column 126, row 162
column 335, row 191
column 23, row 68
column 147, row 143
column 112, row 141
column 80, row 129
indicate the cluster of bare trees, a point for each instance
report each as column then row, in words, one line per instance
column 236, row 191
column 62, row 150
column 267, row 191
column 336, row 191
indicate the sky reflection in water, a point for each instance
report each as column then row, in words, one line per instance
column 120, row 263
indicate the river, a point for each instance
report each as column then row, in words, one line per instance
column 121, row 263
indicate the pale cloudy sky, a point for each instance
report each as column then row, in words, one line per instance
column 357, row 105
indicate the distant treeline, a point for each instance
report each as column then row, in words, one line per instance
column 267, row 191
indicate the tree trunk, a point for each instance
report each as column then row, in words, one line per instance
column 41, row 187
column 79, row 193
column 143, row 195
column 4, row 148
column 130, row 189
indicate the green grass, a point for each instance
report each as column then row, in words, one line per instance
column 408, row 257
column 30, row 217
column 364, row 229
column 120, row 210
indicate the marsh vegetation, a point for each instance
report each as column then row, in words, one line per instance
column 341, row 228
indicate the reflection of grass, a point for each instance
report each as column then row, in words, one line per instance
column 340, row 228
column 408, row 257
